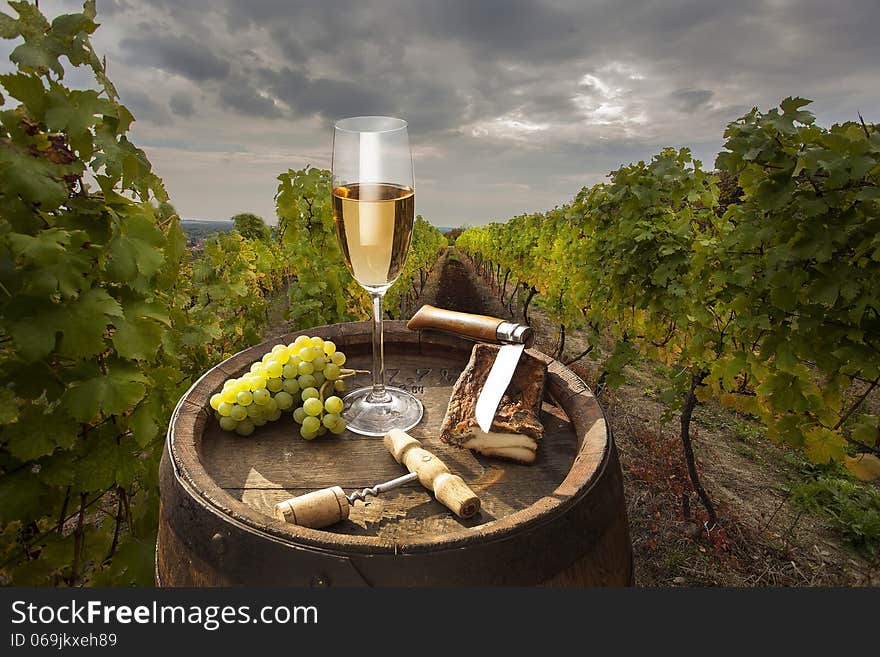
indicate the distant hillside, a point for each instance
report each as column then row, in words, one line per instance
column 198, row 230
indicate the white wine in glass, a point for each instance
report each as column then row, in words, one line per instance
column 373, row 210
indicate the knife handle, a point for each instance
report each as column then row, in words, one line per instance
column 476, row 327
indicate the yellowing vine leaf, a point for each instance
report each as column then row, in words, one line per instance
column 865, row 466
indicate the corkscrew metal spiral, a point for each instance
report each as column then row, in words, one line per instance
column 381, row 488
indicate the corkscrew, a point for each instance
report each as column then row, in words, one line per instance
column 327, row 506
column 381, row 488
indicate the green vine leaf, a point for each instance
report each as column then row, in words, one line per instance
column 113, row 393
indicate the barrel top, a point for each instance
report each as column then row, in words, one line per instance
column 244, row 477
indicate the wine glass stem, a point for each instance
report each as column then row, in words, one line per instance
column 379, row 394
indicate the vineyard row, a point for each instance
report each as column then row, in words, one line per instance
column 757, row 283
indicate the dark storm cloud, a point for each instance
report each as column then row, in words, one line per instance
column 143, row 106
column 181, row 104
column 508, row 28
column 513, row 103
column 175, row 54
column 240, row 96
column 291, row 48
column 322, row 96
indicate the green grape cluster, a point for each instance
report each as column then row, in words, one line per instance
column 299, row 378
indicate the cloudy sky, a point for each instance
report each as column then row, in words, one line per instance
column 513, row 105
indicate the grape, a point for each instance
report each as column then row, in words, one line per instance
column 333, row 405
column 313, row 406
column 257, row 381
column 311, row 423
column 245, row 428
column 309, row 354
column 286, row 378
column 284, row 400
column 339, row 428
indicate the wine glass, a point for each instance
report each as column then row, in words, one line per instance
column 373, row 209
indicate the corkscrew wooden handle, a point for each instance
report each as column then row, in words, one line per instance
column 449, row 489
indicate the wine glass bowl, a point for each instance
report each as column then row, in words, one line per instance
column 373, row 212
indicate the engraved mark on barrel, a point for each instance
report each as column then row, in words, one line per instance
column 391, row 373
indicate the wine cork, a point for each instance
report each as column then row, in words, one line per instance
column 317, row 509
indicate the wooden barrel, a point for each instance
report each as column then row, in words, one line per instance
column 560, row 521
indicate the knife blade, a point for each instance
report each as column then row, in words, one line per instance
column 513, row 338
column 496, row 383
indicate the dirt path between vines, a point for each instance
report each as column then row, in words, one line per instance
column 764, row 539
column 457, row 291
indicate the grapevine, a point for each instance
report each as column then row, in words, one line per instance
column 106, row 317
column 766, row 299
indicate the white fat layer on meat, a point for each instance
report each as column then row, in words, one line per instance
column 497, row 439
column 521, row 454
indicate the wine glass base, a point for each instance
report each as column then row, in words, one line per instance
column 368, row 418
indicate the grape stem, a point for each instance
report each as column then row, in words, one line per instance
column 321, row 392
column 344, row 374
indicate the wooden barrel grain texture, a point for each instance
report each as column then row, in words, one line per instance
column 558, row 522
